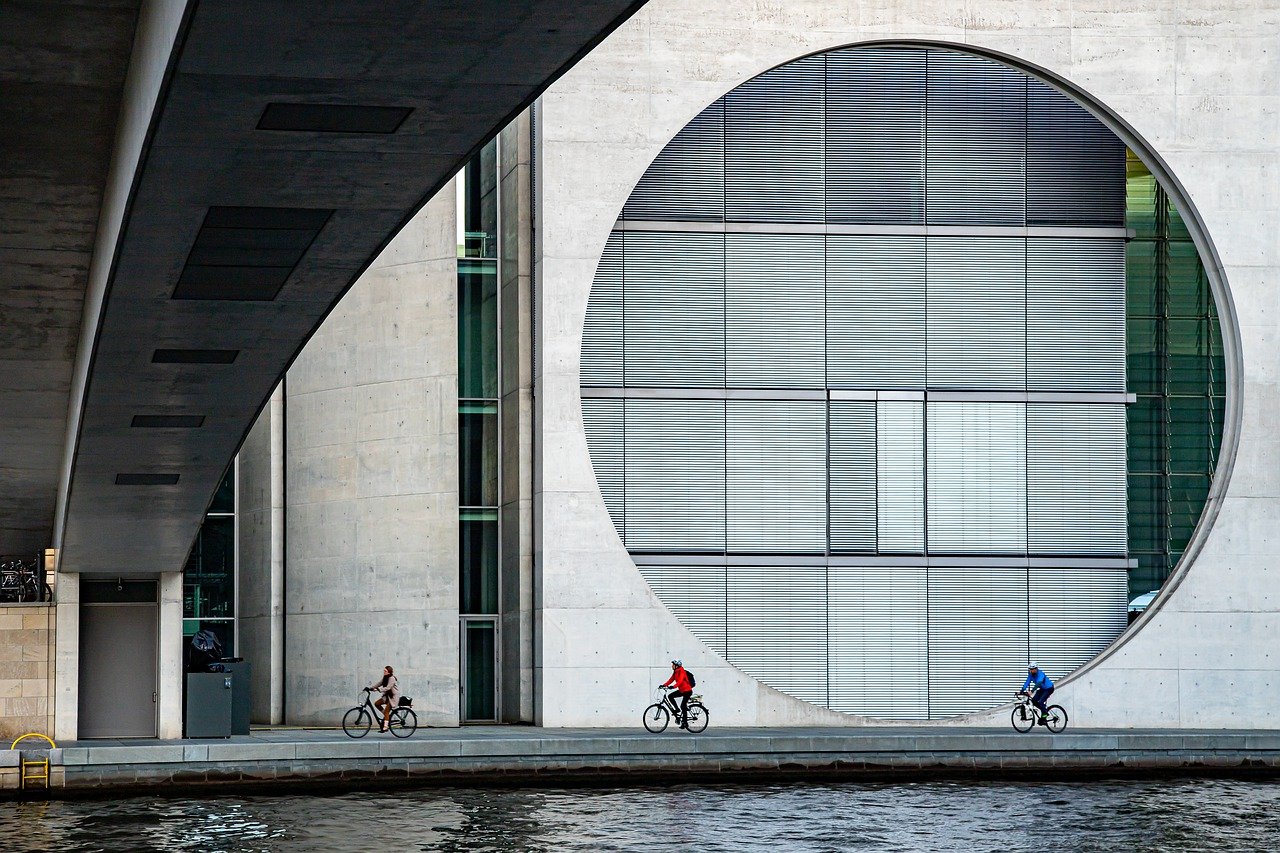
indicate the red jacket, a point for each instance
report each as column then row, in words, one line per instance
column 680, row 679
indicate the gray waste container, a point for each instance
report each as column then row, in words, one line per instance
column 209, row 697
column 241, row 702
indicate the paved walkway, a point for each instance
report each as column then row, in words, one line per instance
column 515, row 753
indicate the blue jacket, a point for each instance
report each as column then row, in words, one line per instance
column 1040, row 680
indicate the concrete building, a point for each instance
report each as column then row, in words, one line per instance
column 852, row 353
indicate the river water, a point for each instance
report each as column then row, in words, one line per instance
column 1222, row 816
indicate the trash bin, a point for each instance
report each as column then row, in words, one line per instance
column 209, row 702
column 241, row 699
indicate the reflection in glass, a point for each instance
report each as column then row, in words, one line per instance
column 478, row 452
column 480, row 670
column 208, row 584
column 477, row 329
column 478, row 549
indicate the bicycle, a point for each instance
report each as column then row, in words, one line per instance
column 21, row 581
column 403, row 722
column 658, row 715
column 1026, row 715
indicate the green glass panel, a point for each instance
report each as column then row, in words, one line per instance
column 224, row 500
column 208, row 583
column 478, row 552
column 477, row 329
column 478, row 458
column 479, row 209
column 1140, row 279
column 480, row 672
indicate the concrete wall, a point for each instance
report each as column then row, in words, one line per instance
column 26, row 669
column 371, row 555
column 1198, row 82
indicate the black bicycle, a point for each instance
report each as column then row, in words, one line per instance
column 1027, row 716
column 658, row 715
column 402, row 722
column 22, row 580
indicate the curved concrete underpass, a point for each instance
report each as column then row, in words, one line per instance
column 264, row 154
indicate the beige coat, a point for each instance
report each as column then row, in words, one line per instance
column 392, row 690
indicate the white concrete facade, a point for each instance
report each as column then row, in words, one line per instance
column 1193, row 85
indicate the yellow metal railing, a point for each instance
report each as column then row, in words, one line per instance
column 31, row 771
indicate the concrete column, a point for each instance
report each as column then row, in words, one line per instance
column 516, row 323
column 169, row 712
column 66, row 663
column 371, row 554
column 260, row 557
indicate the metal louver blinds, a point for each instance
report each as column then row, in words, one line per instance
column 774, row 132
column 977, row 476
column 674, row 321
column 778, row 627
column 877, row 638
column 977, row 323
column 875, row 312
column 900, row 464
column 875, row 136
column 686, row 182
column 603, row 422
column 1075, row 314
column 1075, row 614
column 853, row 476
column 697, row 597
column 774, row 295
column 977, row 638
column 977, row 124
column 777, row 477
column 602, row 331
column 675, row 475
column 1076, row 479
column 1075, row 164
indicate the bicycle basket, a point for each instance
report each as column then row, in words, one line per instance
column 406, row 702
column 697, row 697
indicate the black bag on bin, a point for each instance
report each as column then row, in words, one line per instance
column 205, row 649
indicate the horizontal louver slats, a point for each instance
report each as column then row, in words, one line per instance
column 1075, row 164
column 686, row 181
column 602, row 331
column 977, row 638
column 1075, row 315
column 774, row 295
column 777, row 480
column 900, row 468
column 778, row 627
column 875, row 312
column 853, row 476
column 603, row 422
column 877, row 641
column 1075, row 614
column 774, row 145
column 675, row 475
column 1076, row 490
column 875, row 136
column 696, row 595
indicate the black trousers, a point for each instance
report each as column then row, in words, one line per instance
column 1041, row 697
column 684, row 705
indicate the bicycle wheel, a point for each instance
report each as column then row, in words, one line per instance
column 1023, row 718
column 46, row 591
column 403, row 722
column 1057, row 718
column 656, row 718
column 699, row 716
column 356, row 722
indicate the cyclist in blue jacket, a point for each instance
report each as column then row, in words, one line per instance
column 1044, row 687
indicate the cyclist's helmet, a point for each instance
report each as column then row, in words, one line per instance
column 677, row 663
column 1033, row 665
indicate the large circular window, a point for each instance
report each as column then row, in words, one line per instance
column 899, row 370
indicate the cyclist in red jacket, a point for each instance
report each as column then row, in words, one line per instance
column 684, row 690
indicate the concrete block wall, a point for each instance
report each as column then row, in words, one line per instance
column 1195, row 83
column 26, row 670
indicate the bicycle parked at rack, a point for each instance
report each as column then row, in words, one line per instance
column 658, row 715
column 23, row 580
column 403, row 722
column 1026, row 715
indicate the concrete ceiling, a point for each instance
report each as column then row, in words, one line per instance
column 62, row 67
column 137, row 492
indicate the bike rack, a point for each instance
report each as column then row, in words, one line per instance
column 30, row 771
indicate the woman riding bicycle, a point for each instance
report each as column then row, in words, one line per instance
column 389, row 687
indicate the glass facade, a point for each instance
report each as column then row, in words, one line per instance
column 479, row 440
column 209, row 578
column 856, row 383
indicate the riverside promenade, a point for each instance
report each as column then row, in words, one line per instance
column 528, row 755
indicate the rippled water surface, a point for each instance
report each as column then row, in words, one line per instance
column 1159, row 815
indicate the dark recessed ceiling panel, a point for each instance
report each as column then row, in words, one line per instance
column 333, row 118
column 248, row 253
column 168, row 421
column 147, row 479
column 194, row 356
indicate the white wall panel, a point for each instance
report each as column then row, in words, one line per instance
column 875, row 312
column 853, row 476
column 977, row 638
column 777, row 476
column 675, row 475
column 603, row 422
column 1076, row 483
column 977, row 477
column 877, row 641
column 778, row 627
column 1075, row 614
column 697, row 597
column 774, row 310
column 602, row 331
column 900, row 469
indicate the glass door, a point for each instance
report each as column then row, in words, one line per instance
column 479, row 669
